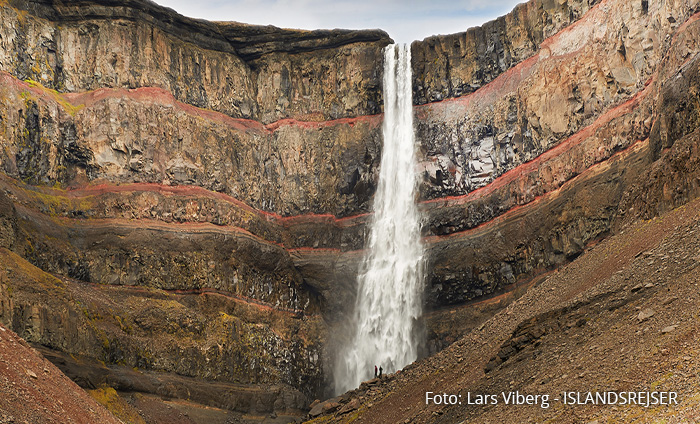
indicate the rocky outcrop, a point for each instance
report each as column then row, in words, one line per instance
column 111, row 135
column 448, row 66
column 193, row 165
column 188, row 344
column 523, row 174
column 567, row 86
column 239, row 70
column 111, row 149
column 580, row 325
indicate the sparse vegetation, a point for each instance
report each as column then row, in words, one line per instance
column 57, row 97
column 110, row 399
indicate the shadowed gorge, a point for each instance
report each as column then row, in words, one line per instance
column 184, row 205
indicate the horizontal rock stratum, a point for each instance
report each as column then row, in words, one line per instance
column 201, row 190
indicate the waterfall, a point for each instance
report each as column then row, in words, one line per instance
column 390, row 281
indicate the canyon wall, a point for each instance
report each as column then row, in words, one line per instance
column 449, row 66
column 191, row 198
column 528, row 170
column 165, row 171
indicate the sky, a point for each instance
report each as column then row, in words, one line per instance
column 405, row 20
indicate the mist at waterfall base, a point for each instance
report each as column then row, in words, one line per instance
column 390, row 282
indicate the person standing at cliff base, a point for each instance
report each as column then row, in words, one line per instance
column 380, row 372
column 375, row 371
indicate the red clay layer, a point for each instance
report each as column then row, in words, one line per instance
column 373, row 120
column 235, row 297
column 155, row 95
column 153, row 224
column 159, row 96
column 191, row 227
column 240, row 298
column 685, row 26
column 503, row 180
column 209, row 227
column 506, row 81
column 509, row 80
column 323, row 250
column 547, row 43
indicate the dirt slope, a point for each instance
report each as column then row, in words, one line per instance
column 32, row 390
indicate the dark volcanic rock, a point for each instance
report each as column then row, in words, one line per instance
column 446, row 66
column 253, row 41
column 164, row 342
column 86, row 45
column 517, row 212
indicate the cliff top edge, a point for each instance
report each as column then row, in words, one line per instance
column 248, row 41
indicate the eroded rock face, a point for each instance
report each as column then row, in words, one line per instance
column 536, row 169
column 239, row 70
column 145, row 136
column 210, row 348
column 576, row 76
column 145, row 152
column 448, row 66
column 191, row 160
column 155, row 136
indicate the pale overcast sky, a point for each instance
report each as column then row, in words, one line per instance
column 405, row 21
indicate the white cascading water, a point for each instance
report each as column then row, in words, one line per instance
column 390, row 282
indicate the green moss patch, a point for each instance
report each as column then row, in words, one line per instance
column 69, row 107
column 110, row 399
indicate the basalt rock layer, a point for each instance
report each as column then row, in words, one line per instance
column 524, row 173
column 189, row 161
column 197, row 193
column 449, row 66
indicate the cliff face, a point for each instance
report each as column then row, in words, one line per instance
column 527, row 171
column 269, row 99
column 145, row 149
column 201, row 190
column 240, row 70
column 449, row 66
